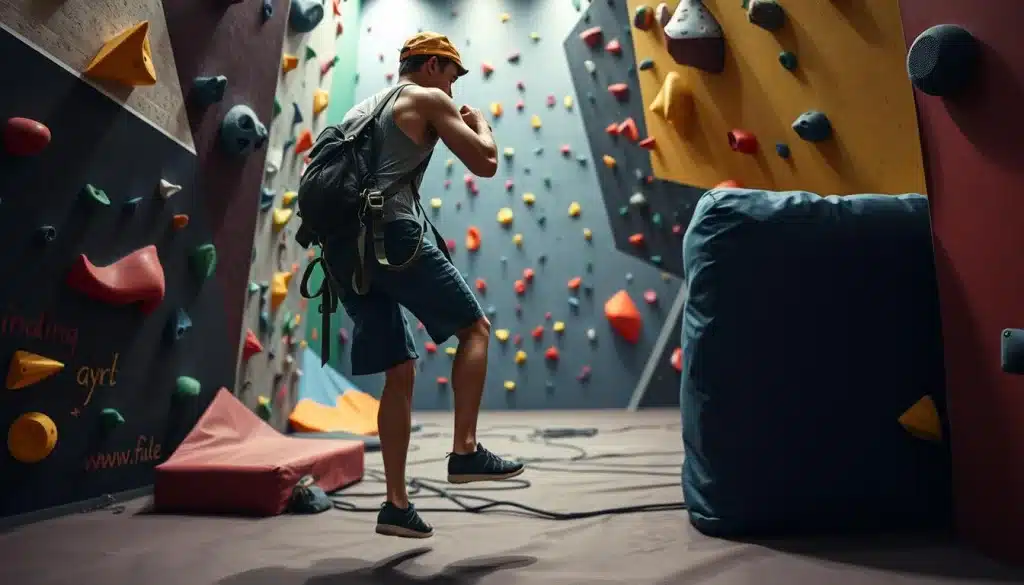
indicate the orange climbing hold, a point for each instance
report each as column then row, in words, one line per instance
column 648, row 143
column 591, row 36
column 304, row 142
column 127, row 58
column 609, row 161
column 520, row 287
column 636, row 239
column 677, row 359
column 623, row 316
column 289, row 62
column 430, row 347
column 136, row 278
column 179, row 221
column 537, row 332
column 574, row 283
column 612, row 129
column 619, row 90
column 729, row 184
column 628, row 129
column 481, row 285
column 28, row 368
column 251, row 346
column 473, row 238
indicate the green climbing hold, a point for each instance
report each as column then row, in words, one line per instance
column 254, row 287
column 187, row 387
column 624, row 211
column 263, row 408
column 576, row 5
column 93, row 195
column 110, row 419
column 288, row 324
column 204, row 260
column 310, row 53
column 788, row 60
column 656, row 260
column 277, row 107
column 656, row 219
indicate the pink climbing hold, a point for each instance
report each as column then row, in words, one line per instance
column 650, row 297
column 487, row 69
column 520, row 85
column 343, row 336
column 520, row 105
column 508, row 184
column 591, row 36
column 551, row 101
column 614, row 47
column 566, row 150
column 619, row 90
column 584, row 374
column 513, row 57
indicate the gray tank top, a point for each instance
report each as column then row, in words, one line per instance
column 398, row 155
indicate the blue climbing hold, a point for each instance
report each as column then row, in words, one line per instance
column 267, row 10
column 131, row 205
column 305, row 15
column 646, row 64
column 813, row 126
column 178, row 325
column 241, row 131
column 265, row 321
column 208, row 90
column 782, row 149
column 296, row 113
column 574, row 302
column 267, row 196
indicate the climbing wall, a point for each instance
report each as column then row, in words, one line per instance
column 556, row 243
column 111, row 322
column 273, row 324
column 734, row 77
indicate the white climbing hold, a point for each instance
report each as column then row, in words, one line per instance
column 637, row 199
column 590, row 66
column 167, row 188
column 591, row 334
column 692, row 20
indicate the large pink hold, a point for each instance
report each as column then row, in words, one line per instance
column 25, row 137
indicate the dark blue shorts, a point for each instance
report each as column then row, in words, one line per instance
column 430, row 288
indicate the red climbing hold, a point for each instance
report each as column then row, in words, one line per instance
column 136, row 278
column 575, row 282
column 450, row 244
column 473, row 238
column 742, row 141
column 430, row 346
column 636, row 239
column 551, row 354
column 25, row 137
column 481, row 285
column 520, row 287
column 338, row 29
column 304, row 142
column 337, row 8
column 648, row 143
column 619, row 90
column 614, row 47
column 591, row 36
column 528, row 274
column 537, row 332
column 623, row 316
column 517, row 340
column 442, row 381
column 628, row 129
column 251, row 346
column 612, row 129
column 677, row 359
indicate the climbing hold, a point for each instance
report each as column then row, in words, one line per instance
column 535, row 36
column 481, row 285
column 473, row 238
column 728, row 184
column 663, row 14
column 338, row 29
column 535, row 122
column 614, row 47
column 277, row 108
column 609, row 161
column 25, row 137
column 510, row 385
column 505, row 216
column 623, row 316
column 178, row 325
column 127, row 58
column 296, row 114
column 550, row 100
column 167, row 188
column 328, row 65
column 179, row 221
column 502, row 335
column 574, row 209
column 207, row 90
column 742, row 141
column 251, row 346
column 280, row 218
column 574, row 283
column 551, row 354
column 677, row 359
column 267, row 10
column 110, row 419
column 587, row 234
column 93, row 195
column 637, row 199
column 279, row 288
column 637, row 240
column 320, row 101
column 565, row 150
column 241, row 131
column 487, row 69
column 558, row 326
column 509, row 152
column 767, row 14
column 619, row 90
column 520, row 357
column 266, row 198
column 288, row 198
column 203, row 261
column 137, row 277
column 628, row 129
column 187, row 387
column 942, row 60
column 590, row 66
column 650, row 297
column 504, row 16
column 31, row 437
column 519, row 287
column 27, row 368
column 591, row 335
column 567, row 102
column 694, row 38
column 647, row 143
column 517, row 240
column 672, row 101
column 496, row 109
column 782, row 149
column 304, row 141
column 538, row 332
column 264, row 409
column 305, row 15
column 813, row 126
column 643, row 17
column 288, row 62
column 435, row 203
column 450, row 351
column 922, row 420
column 788, row 60
column 529, row 199
column 591, row 36
column 46, row 234
column 528, row 274
column 310, row 53
column 337, row 7
column 646, row 64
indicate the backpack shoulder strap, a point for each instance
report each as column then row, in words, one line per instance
column 361, row 125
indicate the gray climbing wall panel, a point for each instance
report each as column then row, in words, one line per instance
column 616, row 365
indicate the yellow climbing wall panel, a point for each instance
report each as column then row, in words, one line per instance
column 851, row 67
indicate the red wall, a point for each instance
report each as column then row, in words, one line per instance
column 974, row 153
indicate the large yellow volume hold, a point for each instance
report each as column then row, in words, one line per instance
column 127, row 58
column 28, row 368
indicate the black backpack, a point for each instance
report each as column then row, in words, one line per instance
column 339, row 199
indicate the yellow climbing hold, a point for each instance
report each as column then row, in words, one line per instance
column 448, row 163
column 567, row 102
column 509, row 152
column 505, row 216
column 28, row 368
column 535, row 122
column 672, row 99
column 529, row 198
column 289, row 62
column 496, row 109
column 31, row 437
column 558, row 327
column 510, row 385
column 505, row 16
column 288, row 198
column 520, row 357
column 127, row 58
column 574, row 209
column 922, row 420
column 279, row 288
column 450, row 350
column 281, row 217
column 517, row 239
column 502, row 335
column 609, row 161
column 435, row 203
column 320, row 100
column 587, row 234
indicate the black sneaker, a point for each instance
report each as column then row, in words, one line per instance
column 406, row 523
column 480, row 466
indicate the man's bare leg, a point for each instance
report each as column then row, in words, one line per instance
column 469, row 373
column 394, row 424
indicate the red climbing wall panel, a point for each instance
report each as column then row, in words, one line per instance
column 975, row 168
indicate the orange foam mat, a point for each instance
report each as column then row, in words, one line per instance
column 354, row 412
column 234, row 463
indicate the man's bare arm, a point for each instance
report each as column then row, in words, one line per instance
column 475, row 147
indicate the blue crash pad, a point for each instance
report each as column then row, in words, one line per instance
column 811, row 325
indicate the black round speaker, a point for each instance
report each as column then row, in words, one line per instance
column 942, row 60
